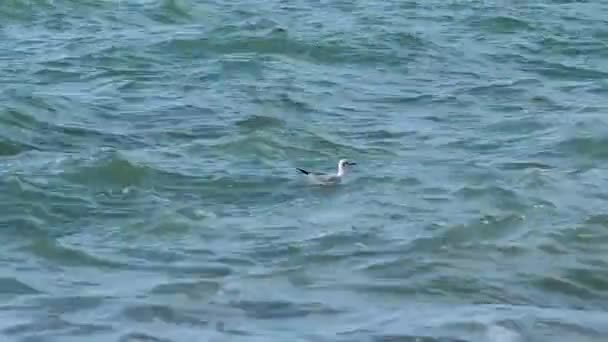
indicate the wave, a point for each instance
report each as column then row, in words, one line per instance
column 228, row 40
column 163, row 313
column 259, row 122
column 11, row 148
column 21, row 119
column 25, row 11
column 194, row 290
column 12, row 286
column 500, row 24
column 49, row 250
column 282, row 309
column 595, row 148
column 110, row 170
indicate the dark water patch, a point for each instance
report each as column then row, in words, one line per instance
column 42, row 201
column 525, row 165
column 240, row 261
column 557, row 71
column 289, row 100
column 560, row 285
column 239, row 191
column 488, row 228
column 587, row 147
column 142, row 337
column 53, row 325
column 600, row 34
column 109, row 170
column 128, row 67
column 522, row 126
column 511, row 249
column 598, row 219
column 548, row 103
column 507, row 108
column 501, row 24
column 552, row 248
column 330, row 145
column 86, row 5
column 259, row 122
column 554, row 45
column 255, row 23
column 171, row 12
column 160, row 223
column 503, row 198
column 11, row 148
column 479, row 145
column 193, row 290
column 328, row 51
column 23, row 226
column 560, row 71
column 274, row 253
column 398, row 289
column 501, row 91
column 38, row 110
column 400, row 267
column 475, row 290
column 188, row 134
column 149, row 313
column 187, row 48
column 262, row 145
column 413, row 338
column 151, row 255
column 282, row 309
column 594, row 262
column 559, row 328
column 18, row 118
column 535, row 178
column 333, row 255
column 599, row 89
column 583, row 237
column 40, row 131
column 53, row 252
column 414, row 99
column 337, row 239
column 210, row 270
column 12, row 286
column 25, row 11
column 406, row 40
column 240, row 66
column 264, row 148
column 67, row 305
column 594, row 279
column 57, row 75
column 105, row 138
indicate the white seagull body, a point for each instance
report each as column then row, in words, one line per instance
column 329, row 179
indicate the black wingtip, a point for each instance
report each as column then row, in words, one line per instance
column 303, row 171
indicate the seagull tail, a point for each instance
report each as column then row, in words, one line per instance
column 302, row 170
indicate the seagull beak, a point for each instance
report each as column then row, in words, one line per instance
column 352, row 163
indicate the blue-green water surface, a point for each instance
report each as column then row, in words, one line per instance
column 148, row 190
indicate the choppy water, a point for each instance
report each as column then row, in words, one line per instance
column 148, row 190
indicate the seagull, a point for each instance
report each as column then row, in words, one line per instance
column 329, row 179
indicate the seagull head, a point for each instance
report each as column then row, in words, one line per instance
column 344, row 164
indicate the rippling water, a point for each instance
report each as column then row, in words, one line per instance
column 148, row 189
